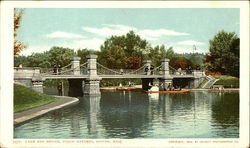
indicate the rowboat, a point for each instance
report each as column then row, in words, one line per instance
column 169, row 91
column 125, row 88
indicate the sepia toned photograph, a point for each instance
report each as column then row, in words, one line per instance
column 109, row 76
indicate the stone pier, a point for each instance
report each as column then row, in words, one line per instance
column 167, row 79
column 147, row 82
column 75, row 85
column 92, row 83
column 29, row 77
column 75, row 65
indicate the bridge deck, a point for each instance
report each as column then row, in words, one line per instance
column 112, row 76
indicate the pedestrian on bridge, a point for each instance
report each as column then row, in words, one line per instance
column 55, row 70
column 121, row 71
column 152, row 70
column 59, row 69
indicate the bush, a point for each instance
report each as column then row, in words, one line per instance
column 227, row 81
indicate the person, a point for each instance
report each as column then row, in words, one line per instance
column 55, row 69
column 59, row 69
column 152, row 70
column 59, row 88
column 20, row 66
column 146, row 70
column 129, row 83
column 169, row 86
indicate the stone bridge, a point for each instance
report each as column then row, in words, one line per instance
column 91, row 73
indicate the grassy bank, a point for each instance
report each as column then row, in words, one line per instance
column 228, row 81
column 26, row 98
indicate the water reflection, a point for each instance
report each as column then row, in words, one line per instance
column 225, row 113
column 122, row 114
column 92, row 106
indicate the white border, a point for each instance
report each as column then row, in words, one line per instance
column 6, row 81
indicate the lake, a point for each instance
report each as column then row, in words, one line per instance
column 134, row 114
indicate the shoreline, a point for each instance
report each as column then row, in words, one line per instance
column 195, row 89
column 27, row 115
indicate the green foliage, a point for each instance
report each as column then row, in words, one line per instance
column 20, row 60
column 55, row 56
column 60, row 56
column 82, row 53
column 227, row 81
column 55, row 82
column 159, row 52
column 38, row 60
column 118, row 51
column 26, row 98
column 224, row 54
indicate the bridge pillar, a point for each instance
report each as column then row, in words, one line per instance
column 37, row 83
column 147, row 64
column 199, row 77
column 147, row 82
column 92, row 83
column 75, row 65
column 166, row 79
column 29, row 77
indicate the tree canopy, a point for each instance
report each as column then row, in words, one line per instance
column 223, row 54
column 117, row 52
column 126, row 51
column 180, row 62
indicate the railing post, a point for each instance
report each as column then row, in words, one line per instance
column 165, row 67
column 147, row 64
column 166, row 79
column 75, row 65
column 92, row 83
column 147, row 82
column 92, row 65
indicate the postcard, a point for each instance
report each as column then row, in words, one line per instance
column 124, row 74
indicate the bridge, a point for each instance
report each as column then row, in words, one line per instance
column 92, row 72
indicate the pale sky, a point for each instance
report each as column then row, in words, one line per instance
column 42, row 28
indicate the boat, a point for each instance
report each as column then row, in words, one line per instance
column 125, row 88
column 170, row 91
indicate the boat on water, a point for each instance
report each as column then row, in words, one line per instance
column 125, row 88
column 169, row 91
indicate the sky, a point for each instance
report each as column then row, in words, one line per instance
column 79, row 28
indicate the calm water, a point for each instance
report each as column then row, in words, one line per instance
column 118, row 114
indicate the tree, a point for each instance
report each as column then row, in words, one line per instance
column 60, row 56
column 82, row 53
column 55, row 56
column 123, row 49
column 159, row 52
column 18, row 46
column 38, row 60
column 180, row 62
column 223, row 54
